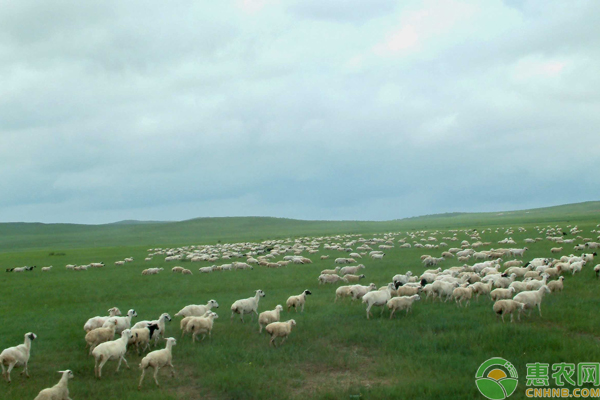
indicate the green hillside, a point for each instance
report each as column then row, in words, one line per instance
column 20, row 236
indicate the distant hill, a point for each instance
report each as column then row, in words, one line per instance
column 56, row 237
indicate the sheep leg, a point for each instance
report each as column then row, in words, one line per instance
column 25, row 371
column 368, row 310
column 512, row 318
column 540, row 308
column 283, row 340
column 142, row 378
column 272, row 341
column 123, row 359
column 102, row 362
column 156, row 374
column 392, row 313
column 172, row 369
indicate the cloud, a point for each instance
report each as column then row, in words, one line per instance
column 349, row 109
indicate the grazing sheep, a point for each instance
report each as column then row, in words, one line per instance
column 266, row 317
column 158, row 359
column 58, row 391
column 351, row 270
column 532, row 298
column 557, row 285
column 97, row 322
column 296, row 301
column 354, row 278
column 502, row 307
column 378, row 298
column 112, row 350
column 502, row 294
column 100, row 335
column 402, row 303
column 199, row 310
column 330, row 278
column 280, row 329
column 17, row 356
column 247, row 306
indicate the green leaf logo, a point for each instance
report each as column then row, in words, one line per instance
column 496, row 379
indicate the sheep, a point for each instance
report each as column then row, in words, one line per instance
column 100, row 335
column 280, row 329
column 199, row 310
column 296, row 301
column 481, row 288
column 502, row 294
column 535, row 284
column 513, row 263
column 597, row 270
column 176, row 269
column 97, row 322
column 358, row 291
column 354, row 278
column 520, row 272
column 123, row 322
column 247, row 306
column 577, row 266
column 504, row 282
column 502, row 307
column 377, row 298
column 58, row 391
column 119, row 262
column 402, row 303
column 266, row 317
column 377, row 256
column 408, row 290
column 556, row 250
column 404, row 279
column 519, row 286
column 330, row 278
column 532, row 298
column 158, row 359
column 557, row 285
column 161, row 326
column 115, row 349
column 17, row 356
column 443, row 289
column 330, row 271
column 142, row 336
column 205, row 270
column 202, row 325
column 342, row 291
column 351, row 270
column 46, row 269
column 462, row 293
column 186, row 272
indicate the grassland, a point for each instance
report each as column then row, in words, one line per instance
column 334, row 353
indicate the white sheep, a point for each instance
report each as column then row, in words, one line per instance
column 113, row 350
column 202, row 325
column 297, row 301
column 280, row 329
column 405, row 278
column 158, row 359
column 97, row 322
column 378, row 298
column 100, row 335
column 351, row 278
column 122, row 322
column 141, row 337
column 502, row 307
column 330, row 271
column 444, row 289
column 266, row 317
column 557, row 285
column 462, row 293
column 351, row 270
column 330, row 278
column 532, row 298
column 160, row 333
column 502, row 294
column 247, row 306
column 358, row 291
column 197, row 310
column 59, row 391
column 46, row 269
column 17, row 356
column 402, row 303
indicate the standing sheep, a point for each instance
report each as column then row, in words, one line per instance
column 247, row 306
column 266, row 317
column 532, row 298
column 199, row 310
column 502, row 307
column 58, row 391
column 280, row 329
column 158, row 359
column 378, row 298
column 296, row 301
column 112, row 350
column 17, row 356
column 402, row 303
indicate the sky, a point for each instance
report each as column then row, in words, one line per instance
column 308, row 109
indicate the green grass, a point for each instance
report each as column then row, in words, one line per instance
column 334, row 352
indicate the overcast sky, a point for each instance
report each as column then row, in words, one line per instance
column 310, row 109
